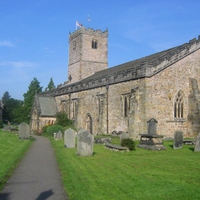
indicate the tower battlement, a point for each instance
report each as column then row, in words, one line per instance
column 88, row 31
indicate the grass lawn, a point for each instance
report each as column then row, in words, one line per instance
column 140, row 174
column 11, row 151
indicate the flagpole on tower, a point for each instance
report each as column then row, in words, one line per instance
column 88, row 21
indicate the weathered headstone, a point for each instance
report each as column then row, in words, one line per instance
column 152, row 126
column 85, row 142
column 55, row 136
column 59, row 135
column 178, row 140
column 197, row 143
column 24, row 131
column 69, row 138
column 124, row 136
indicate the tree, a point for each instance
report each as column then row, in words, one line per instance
column 25, row 110
column 6, row 97
column 50, row 85
column 9, row 107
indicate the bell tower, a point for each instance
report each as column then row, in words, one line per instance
column 88, row 53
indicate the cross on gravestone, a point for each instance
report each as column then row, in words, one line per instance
column 152, row 126
column 85, row 142
column 178, row 140
column 69, row 138
column 24, row 131
column 59, row 135
column 197, row 143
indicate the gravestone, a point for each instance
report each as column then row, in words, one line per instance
column 85, row 142
column 69, row 138
column 59, row 135
column 124, row 136
column 55, row 136
column 197, row 143
column 24, row 131
column 178, row 140
column 151, row 140
column 152, row 126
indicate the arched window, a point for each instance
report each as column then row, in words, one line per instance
column 179, row 105
column 126, row 104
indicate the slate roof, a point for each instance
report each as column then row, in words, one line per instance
column 129, row 65
column 139, row 68
column 48, row 106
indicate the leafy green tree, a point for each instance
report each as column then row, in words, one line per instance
column 50, row 85
column 25, row 110
column 10, row 105
column 6, row 97
column 9, row 109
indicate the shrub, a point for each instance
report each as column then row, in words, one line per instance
column 44, row 128
column 62, row 119
column 54, row 129
column 127, row 142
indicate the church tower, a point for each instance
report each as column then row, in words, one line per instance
column 88, row 53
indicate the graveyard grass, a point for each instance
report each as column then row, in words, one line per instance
column 11, row 152
column 140, row 174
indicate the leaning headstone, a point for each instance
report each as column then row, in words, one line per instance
column 197, row 143
column 85, row 142
column 59, row 135
column 24, row 131
column 152, row 126
column 124, row 136
column 69, row 138
column 178, row 140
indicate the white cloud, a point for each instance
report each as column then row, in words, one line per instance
column 6, row 43
column 19, row 64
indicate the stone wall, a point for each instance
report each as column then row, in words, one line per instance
column 162, row 88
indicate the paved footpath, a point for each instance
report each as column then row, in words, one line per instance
column 37, row 177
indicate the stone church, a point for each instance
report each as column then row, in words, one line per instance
column 163, row 86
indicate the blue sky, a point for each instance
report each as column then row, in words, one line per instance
column 34, row 34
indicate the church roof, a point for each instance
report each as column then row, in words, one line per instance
column 129, row 65
column 48, row 106
column 168, row 56
column 136, row 69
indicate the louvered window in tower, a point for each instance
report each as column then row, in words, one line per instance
column 94, row 44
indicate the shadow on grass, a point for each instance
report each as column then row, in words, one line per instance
column 171, row 146
column 191, row 148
